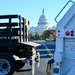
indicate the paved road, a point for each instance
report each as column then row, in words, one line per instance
column 43, row 63
column 39, row 71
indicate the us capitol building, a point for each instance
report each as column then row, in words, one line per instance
column 43, row 25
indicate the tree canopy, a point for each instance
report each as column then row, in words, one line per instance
column 49, row 34
column 37, row 35
column 31, row 36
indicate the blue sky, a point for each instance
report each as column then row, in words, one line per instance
column 32, row 9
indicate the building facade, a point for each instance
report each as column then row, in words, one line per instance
column 43, row 24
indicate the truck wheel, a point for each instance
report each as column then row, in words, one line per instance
column 7, row 65
column 19, row 64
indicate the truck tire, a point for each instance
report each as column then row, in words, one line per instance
column 19, row 64
column 7, row 65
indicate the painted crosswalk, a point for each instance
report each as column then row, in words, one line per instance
column 44, row 53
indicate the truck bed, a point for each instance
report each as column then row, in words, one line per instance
column 13, row 30
column 18, row 44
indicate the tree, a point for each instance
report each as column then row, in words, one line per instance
column 37, row 35
column 49, row 34
column 31, row 36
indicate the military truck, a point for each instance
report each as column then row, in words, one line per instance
column 15, row 49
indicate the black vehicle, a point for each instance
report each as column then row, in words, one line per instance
column 15, row 49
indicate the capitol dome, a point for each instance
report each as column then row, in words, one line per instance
column 43, row 24
column 43, row 19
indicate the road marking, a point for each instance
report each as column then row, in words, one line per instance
column 44, row 49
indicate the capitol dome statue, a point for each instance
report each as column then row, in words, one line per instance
column 43, row 19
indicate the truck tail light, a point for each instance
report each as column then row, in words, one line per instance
column 67, row 33
column 57, row 64
column 21, row 50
